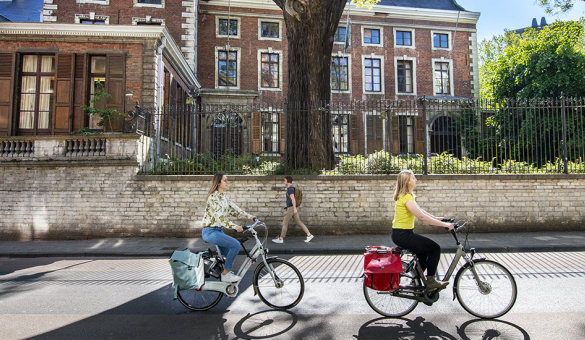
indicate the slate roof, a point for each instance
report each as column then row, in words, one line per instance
column 21, row 10
column 450, row 5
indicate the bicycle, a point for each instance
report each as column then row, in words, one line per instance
column 484, row 288
column 277, row 282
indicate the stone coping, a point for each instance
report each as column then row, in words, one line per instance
column 507, row 177
column 69, row 137
column 98, row 161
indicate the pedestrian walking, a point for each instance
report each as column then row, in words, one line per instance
column 217, row 208
column 406, row 209
column 291, row 211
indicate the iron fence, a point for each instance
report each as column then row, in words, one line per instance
column 428, row 135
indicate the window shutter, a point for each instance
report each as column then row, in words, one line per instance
column 354, row 134
column 282, row 132
column 7, row 66
column 420, row 135
column 115, row 86
column 395, row 135
column 80, row 91
column 256, row 132
column 64, row 80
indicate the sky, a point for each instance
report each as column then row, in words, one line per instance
column 497, row 15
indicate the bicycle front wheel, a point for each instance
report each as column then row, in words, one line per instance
column 280, row 285
column 385, row 303
column 493, row 296
column 199, row 300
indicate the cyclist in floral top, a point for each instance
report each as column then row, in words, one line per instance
column 218, row 207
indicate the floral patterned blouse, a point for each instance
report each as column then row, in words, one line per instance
column 218, row 207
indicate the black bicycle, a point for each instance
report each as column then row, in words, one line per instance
column 483, row 287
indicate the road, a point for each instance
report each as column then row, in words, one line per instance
column 107, row 298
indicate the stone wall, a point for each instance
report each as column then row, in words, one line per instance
column 77, row 198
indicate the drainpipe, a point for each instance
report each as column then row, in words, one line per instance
column 196, row 13
column 159, row 97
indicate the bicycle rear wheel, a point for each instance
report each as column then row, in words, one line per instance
column 385, row 303
column 285, row 290
column 199, row 300
column 495, row 298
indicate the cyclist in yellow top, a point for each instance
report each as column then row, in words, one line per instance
column 427, row 250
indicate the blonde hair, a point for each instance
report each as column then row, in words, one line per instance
column 215, row 182
column 402, row 184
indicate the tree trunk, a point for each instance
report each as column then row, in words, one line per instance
column 310, row 28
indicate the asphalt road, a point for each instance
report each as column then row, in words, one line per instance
column 107, row 298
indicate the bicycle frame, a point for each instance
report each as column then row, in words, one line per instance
column 419, row 291
column 231, row 288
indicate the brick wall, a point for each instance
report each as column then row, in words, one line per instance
column 76, row 200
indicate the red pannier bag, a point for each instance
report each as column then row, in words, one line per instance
column 382, row 268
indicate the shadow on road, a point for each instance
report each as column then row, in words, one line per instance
column 266, row 324
column 419, row 329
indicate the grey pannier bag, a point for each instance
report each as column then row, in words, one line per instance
column 188, row 271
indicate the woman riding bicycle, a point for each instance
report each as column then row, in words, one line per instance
column 216, row 210
column 427, row 251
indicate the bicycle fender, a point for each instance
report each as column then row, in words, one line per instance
column 255, row 284
column 466, row 265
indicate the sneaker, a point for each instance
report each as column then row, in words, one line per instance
column 309, row 238
column 277, row 240
column 230, row 277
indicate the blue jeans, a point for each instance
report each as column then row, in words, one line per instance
column 229, row 246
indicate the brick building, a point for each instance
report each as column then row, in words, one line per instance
column 50, row 70
column 399, row 50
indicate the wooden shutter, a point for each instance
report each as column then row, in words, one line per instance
column 256, row 132
column 7, row 66
column 80, row 91
column 354, row 134
column 282, row 132
column 420, row 135
column 374, row 133
column 63, row 107
column 395, row 135
column 115, row 86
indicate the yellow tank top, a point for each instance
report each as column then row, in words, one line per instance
column 403, row 218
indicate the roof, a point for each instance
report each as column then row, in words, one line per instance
column 21, row 10
column 449, row 5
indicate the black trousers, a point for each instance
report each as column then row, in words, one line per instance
column 427, row 251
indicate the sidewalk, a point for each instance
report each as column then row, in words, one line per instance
column 293, row 245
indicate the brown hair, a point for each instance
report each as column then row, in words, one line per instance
column 215, row 183
column 288, row 179
column 402, row 184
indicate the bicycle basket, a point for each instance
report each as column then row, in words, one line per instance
column 382, row 268
column 188, row 270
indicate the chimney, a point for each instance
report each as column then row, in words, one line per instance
column 534, row 23
column 543, row 22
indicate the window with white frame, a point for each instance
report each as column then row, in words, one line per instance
column 270, row 132
column 404, row 37
column 227, row 27
column 405, row 75
column 372, row 71
column 441, row 40
column 443, row 79
column 270, row 66
column 227, row 68
column 96, row 2
column 149, row 3
column 372, row 36
column 92, row 19
column 340, row 131
column 269, row 30
column 339, row 36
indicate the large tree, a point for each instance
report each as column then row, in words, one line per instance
column 310, row 27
